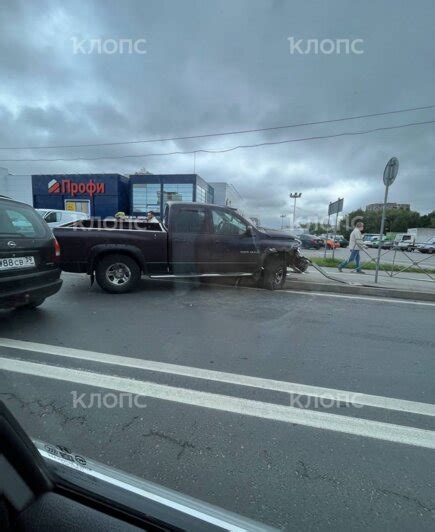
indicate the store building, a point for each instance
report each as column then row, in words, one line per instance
column 103, row 195
column 99, row 195
column 150, row 192
column 226, row 195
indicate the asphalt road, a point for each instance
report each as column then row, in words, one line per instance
column 286, row 456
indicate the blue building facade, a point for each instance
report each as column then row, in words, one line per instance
column 150, row 192
column 103, row 195
column 100, row 195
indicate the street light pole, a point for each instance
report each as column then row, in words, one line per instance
column 282, row 216
column 295, row 196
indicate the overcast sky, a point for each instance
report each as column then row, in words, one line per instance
column 214, row 66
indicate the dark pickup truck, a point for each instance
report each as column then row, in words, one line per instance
column 194, row 240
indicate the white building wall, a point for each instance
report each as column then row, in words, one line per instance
column 226, row 195
column 17, row 187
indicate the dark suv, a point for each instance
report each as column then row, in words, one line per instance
column 29, row 256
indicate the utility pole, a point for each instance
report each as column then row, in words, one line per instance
column 295, row 196
column 282, row 216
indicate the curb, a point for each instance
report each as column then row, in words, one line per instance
column 381, row 291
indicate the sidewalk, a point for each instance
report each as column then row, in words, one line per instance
column 416, row 286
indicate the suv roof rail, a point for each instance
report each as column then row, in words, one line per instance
column 6, row 197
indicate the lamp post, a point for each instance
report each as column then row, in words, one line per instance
column 295, row 196
column 282, row 216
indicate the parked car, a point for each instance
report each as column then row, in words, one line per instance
column 310, row 242
column 386, row 243
column 368, row 237
column 29, row 257
column 56, row 218
column 342, row 241
column 332, row 244
column 195, row 240
column 427, row 247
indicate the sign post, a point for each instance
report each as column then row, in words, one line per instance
column 326, row 239
column 334, row 208
column 390, row 174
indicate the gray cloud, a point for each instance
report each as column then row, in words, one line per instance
column 215, row 66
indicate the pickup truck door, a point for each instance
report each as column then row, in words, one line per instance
column 190, row 240
column 234, row 243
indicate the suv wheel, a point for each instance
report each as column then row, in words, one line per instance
column 117, row 273
column 274, row 275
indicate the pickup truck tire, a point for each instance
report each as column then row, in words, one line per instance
column 274, row 275
column 117, row 273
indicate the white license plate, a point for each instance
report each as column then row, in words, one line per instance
column 13, row 263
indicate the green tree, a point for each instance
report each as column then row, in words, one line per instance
column 396, row 221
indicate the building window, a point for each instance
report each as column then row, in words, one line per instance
column 177, row 192
column 201, row 194
column 210, row 195
column 146, row 197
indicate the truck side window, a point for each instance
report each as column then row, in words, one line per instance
column 225, row 223
column 190, row 221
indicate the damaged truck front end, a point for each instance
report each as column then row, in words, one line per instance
column 280, row 252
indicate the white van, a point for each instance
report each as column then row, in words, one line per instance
column 56, row 218
column 415, row 236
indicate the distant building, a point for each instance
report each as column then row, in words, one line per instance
column 377, row 207
column 226, row 195
column 17, row 187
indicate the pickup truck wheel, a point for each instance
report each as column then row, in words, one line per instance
column 274, row 275
column 117, row 273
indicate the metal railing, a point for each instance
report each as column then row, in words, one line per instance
column 396, row 266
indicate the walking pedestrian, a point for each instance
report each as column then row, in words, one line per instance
column 355, row 245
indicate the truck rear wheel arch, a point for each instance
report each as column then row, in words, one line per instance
column 98, row 255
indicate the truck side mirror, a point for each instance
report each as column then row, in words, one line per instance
column 248, row 231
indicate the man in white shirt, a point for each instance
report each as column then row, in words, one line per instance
column 355, row 244
column 151, row 218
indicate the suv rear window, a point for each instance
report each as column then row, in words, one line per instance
column 20, row 222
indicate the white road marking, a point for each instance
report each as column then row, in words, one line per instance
column 377, row 401
column 288, row 414
column 363, row 298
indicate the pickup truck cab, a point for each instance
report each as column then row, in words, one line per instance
column 193, row 240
